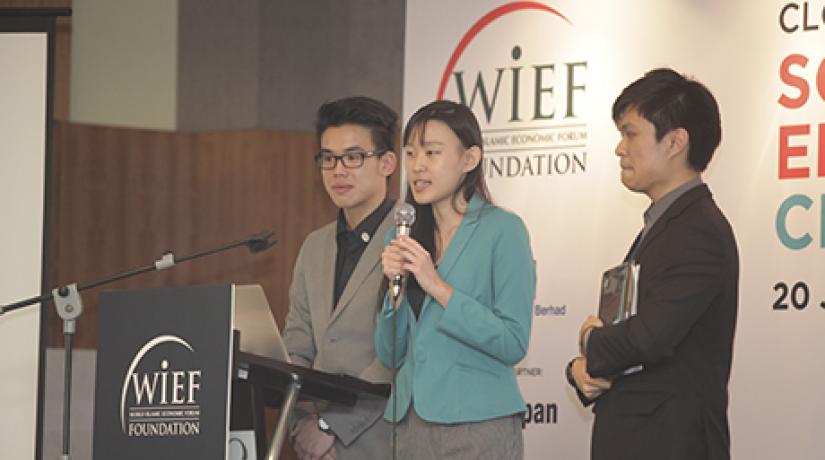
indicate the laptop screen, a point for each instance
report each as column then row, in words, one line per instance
column 253, row 318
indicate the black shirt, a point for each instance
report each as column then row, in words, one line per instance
column 352, row 243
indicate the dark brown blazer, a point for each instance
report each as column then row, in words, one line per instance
column 676, row 408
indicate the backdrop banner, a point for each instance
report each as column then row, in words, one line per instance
column 541, row 78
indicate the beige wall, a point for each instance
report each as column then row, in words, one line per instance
column 214, row 65
column 124, row 63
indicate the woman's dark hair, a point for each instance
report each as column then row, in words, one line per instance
column 461, row 120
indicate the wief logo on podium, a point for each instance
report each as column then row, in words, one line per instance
column 161, row 400
column 163, row 373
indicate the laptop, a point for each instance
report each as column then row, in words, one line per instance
column 253, row 318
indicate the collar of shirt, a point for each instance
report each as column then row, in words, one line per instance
column 353, row 243
column 658, row 208
column 364, row 231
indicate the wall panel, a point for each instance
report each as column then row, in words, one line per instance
column 123, row 197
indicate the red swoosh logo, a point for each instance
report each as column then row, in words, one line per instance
column 480, row 25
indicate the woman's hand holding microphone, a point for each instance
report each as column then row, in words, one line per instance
column 405, row 255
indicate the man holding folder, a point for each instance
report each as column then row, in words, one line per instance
column 679, row 344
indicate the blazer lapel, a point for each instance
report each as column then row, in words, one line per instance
column 326, row 284
column 632, row 249
column 678, row 206
column 469, row 223
column 366, row 264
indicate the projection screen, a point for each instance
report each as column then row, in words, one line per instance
column 23, row 112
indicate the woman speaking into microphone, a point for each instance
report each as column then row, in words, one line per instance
column 463, row 321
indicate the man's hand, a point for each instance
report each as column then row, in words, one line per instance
column 310, row 442
column 589, row 386
column 584, row 334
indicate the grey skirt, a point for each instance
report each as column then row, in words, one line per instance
column 496, row 439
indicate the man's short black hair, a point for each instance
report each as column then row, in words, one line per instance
column 669, row 101
column 381, row 120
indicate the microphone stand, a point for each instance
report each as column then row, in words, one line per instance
column 69, row 306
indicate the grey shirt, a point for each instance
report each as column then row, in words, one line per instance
column 656, row 209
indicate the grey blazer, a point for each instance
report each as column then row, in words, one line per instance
column 341, row 340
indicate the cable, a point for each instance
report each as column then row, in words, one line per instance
column 394, row 387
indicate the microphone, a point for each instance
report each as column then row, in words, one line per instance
column 260, row 242
column 404, row 218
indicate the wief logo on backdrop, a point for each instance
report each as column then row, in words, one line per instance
column 519, row 72
column 159, row 397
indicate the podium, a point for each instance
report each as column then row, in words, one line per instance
column 170, row 366
column 278, row 384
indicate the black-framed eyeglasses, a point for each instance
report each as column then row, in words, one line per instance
column 351, row 160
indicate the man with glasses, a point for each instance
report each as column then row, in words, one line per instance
column 337, row 282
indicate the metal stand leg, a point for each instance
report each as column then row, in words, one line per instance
column 67, row 394
column 281, row 428
column 69, row 307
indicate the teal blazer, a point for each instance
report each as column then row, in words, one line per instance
column 456, row 363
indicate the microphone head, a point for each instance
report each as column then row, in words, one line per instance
column 260, row 242
column 404, row 215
